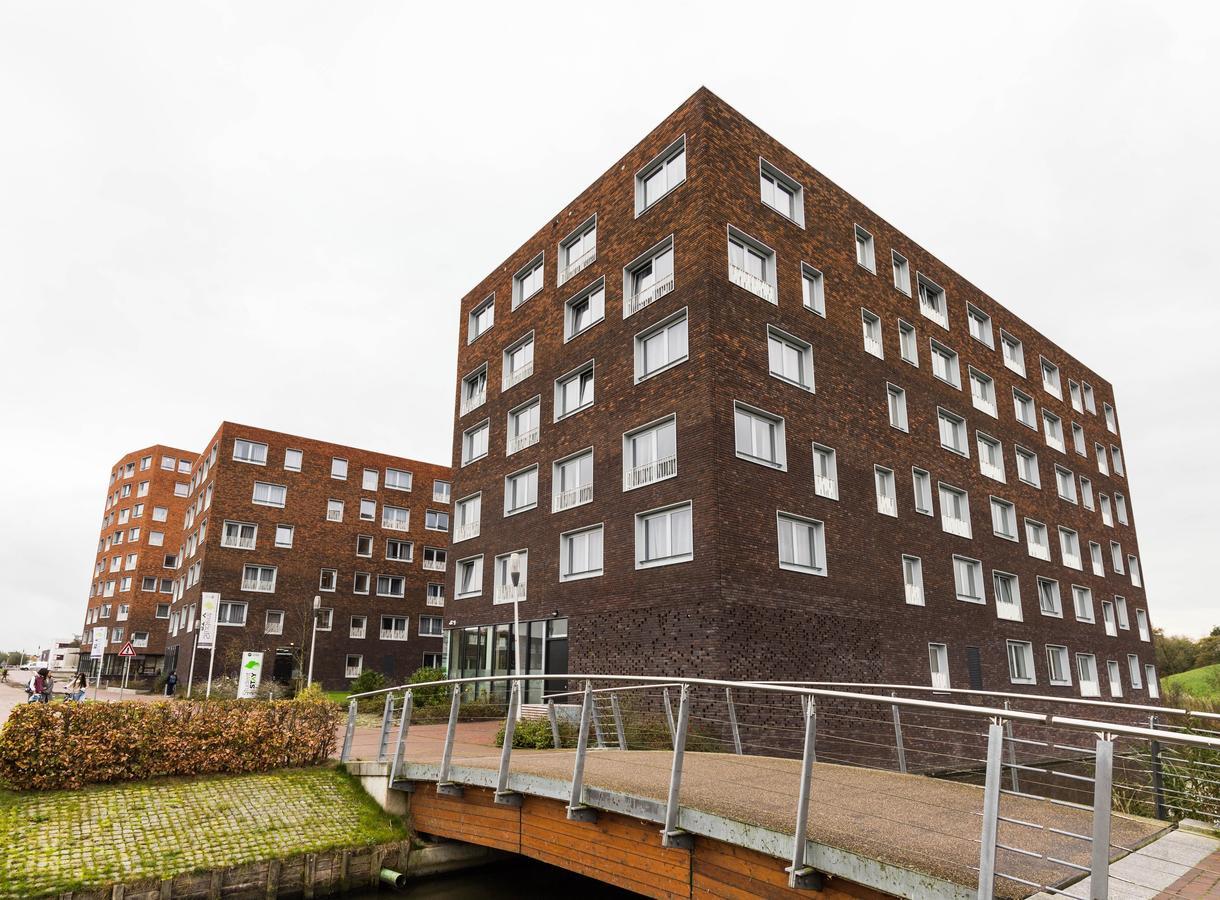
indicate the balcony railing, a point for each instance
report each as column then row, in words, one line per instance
column 241, row 543
column 351, row 672
column 517, row 375
column 752, row 283
column 986, row 405
column 960, row 527
column 574, row 497
column 274, row 629
column 508, row 593
column 657, row 470
column 991, row 470
column 255, row 584
column 436, row 601
column 1056, row 442
column 396, row 524
column 933, row 312
column 393, row 634
column 650, row 294
column 466, row 531
column 334, row 515
column 434, row 565
column 139, row 642
column 887, row 506
column 521, row 441
column 914, row 594
column 1072, row 560
column 873, row 346
column 577, row 265
column 473, row 401
column 356, row 634
column 825, row 486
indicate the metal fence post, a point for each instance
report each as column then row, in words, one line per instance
column 551, row 714
column 400, row 744
column 1011, row 752
column 597, row 726
column 799, row 874
column 387, row 716
column 673, row 836
column 576, row 807
column 443, row 784
column 902, row 753
column 669, row 717
column 350, row 733
column 1103, row 774
column 1158, row 775
column 728, row 696
column 504, row 796
column 618, row 722
column 991, row 810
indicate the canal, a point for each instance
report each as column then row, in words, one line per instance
column 516, row 879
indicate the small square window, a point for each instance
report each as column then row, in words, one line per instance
column 980, row 325
column 789, row 358
column 802, row 546
column 584, row 310
column 660, row 347
column 482, row 317
column 932, row 302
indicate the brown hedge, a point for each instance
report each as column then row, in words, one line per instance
column 67, row 745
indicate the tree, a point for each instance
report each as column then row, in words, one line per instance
column 1174, row 653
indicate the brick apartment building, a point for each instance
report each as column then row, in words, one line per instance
column 134, row 571
column 723, row 420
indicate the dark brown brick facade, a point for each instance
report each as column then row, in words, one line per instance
column 732, row 611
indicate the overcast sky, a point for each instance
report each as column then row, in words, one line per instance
column 266, row 212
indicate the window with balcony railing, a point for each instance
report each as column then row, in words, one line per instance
column 505, row 589
column 523, row 426
column 1037, row 540
column 395, row 518
column 648, row 278
column 572, row 481
column 650, row 454
column 394, row 628
column 954, row 511
column 468, row 515
column 912, row 579
column 474, row 390
column 578, row 251
column 752, row 266
column 518, row 362
column 434, row 559
column 932, row 301
column 353, row 666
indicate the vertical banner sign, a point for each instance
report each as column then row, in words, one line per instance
column 207, row 620
column 251, row 675
column 99, row 642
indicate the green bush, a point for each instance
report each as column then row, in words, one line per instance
column 429, row 696
column 471, row 711
column 368, row 680
column 535, row 734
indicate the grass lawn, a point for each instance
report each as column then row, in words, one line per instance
column 1203, row 682
column 57, row 841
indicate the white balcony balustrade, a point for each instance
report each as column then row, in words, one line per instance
column 393, row 634
column 645, row 296
column 509, row 593
column 887, row 506
column 574, row 497
column 960, row 527
column 466, row 531
column 434, row 565
column 825, row 486
column 578, row 265
column 473, row 400
column 521, row 441
column 914, row 594
column 436, row 601
column 395, row 524
column 752, row 283
column 657, row 470
column 517, row 375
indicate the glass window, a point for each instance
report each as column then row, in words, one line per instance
column 580, row 554
column 663, row 536
column 660, row 347
column 759, row 436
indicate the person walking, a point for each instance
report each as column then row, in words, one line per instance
column 76, row 690
column 171, row 683
column 37, row 687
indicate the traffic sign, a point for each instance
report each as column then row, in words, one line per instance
column 127, row 650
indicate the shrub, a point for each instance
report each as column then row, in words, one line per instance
column 368, row 680
column 429, row 696
column 535, row 734
column 471, row 711
column 225, row 688
column 49, row 746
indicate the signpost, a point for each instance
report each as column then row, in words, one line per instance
column 206, row 637
column 126, row 654
column 251, row 675
column 96, row 652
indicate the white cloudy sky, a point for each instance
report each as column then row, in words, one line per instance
column 266, row 212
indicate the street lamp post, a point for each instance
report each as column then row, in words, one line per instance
column 514, row 574
column 313, row 641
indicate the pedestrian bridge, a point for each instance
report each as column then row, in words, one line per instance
column 749, row 789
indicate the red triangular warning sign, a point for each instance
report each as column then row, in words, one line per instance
column 127, row 650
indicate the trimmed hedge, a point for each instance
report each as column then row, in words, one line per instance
column 46, row 746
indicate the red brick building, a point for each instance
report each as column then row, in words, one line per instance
column 727, row 421
column 133, row 574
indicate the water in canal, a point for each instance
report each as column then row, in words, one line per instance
column 517, row 879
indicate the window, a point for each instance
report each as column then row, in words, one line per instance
column 1027, row 467
column 752, row 265
column 518, row 363
column 1086, row 674
column 482, row 317
column 945, row 365
column 872, row 334
column 932, row 301
column 896, row 399
column 1133, row 566
column 1116, row 557
column 574, row 391
column 980, row 325
column 338, row 468
column 952, row 432
column 1095, row 554
column 781, row 193
column 887, row 497
column 474, row 390
column 162, row 611
column 398, row 479
column 908, row 345
column 1007, row 590
column 1052, row 426
column 1120, row 608
column 334, row 510
column 1014, row 353
column 148, row 583
column 968, row 579
column 982, row 392
column 1088, row 398
column 660, row 347
column 370, row 479
column 528, row 281
column 440, row 491
column 230, row 613
column 1057, row 665
column 156, row 538
column 1111, row 421
column 1050, row 378
column 1074, row 393
column 357, row 627
column 435, row 520
column 431, row 626
column 395, row 518
column 1003, row 519
column 258, row 578
column 283, row 535
column 469, row 577
column 648, row 278
column 580, row 554
column 292, row 460
column 168, row 463
column 274, row 622
column 1154, row 687
column 238, row 534
column 1120, row 507
column 267, row 494
column 469, row 517
column 572, row 481
column 1021, row 662
column 578, row 250
column 250, row 452
column 368, row 510
column 922, row 482
column 1038, row 540
column 436, row 594
column 1103, row 463
column 938, row 664
column 1141, row 622
column 521, row 491
column 991, row 456
column 802, row 546
column 912, row 579
column 954, row 511
column 1049, row 603
column 474, row 443
column 1023, row 409
column 1082, row 603
column 364, row 545
column 1117, row 454
column 1107, row 618
column 759, row 436
column 902, row 272
column 399, row 551
column 789, row 358
column 1133, row 668
column 1065, row 484
column 1086, row 492
column 1078, row 443
column 391, row 586
column 864, row 250
column 825, row 472
column 584, row 310
column 353, row 665
column 663, row 536
column 650, row 454
column 813, row 290
column 181, row 489
column 394, row 628
column 660, row 176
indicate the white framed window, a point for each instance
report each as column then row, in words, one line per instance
column 258, row 578
column 1111, row 419
column 662, row 175
column 968, row 579
column 1014, row 353
column 1050, row 378
column 328, row 580
column 431, row 626
column 1003, row 519
column 980, row 325
column 954, row 511
column 523, row 427
column 664, row 536
column 1141, row 623
column 938, row 665
column 982, row 392
column 887, row 493
column 1065, row 484
column 368, row 510
column 908, row 343
column 370, row 479
column 469, row 580
column 648, row 277
column 250, row 452
column 661, row 346
column 782, row 193
column 399, row 551
column 1058, row 666
column 518, row 363
column 1037, row 538
column 232, row 613
column 864, row 250
column 574, row 391
column 1103, row 462
column 1086, row 492
column 871, row 325
column 357, row 627
column 1023, row 409
column 1027, row 466
column 334, row 510
column 802, row 544
column 1120, row 507
column 391, row 586
column 825, row 472
column 474, row 442
column 1086, row 675
column 952, row 432
column 505, row 590
column 580, row 554
column 264, row 495
column 921, row 480
column 584, row 310
column 1154, row 685
column 1135, row 672
column 578, row 250
column 273, row 623
column 1075, row 395
column 1114, row 670
column 241, row 535
column 482, row 317
column 991, row 456
column 364, row 545
column 902, row 272
column 945, row 364
column 1007, row 590
column 572, row 481
column 896, row 403
column 1049, row 602
column 813, row 290
column 1082, row 603
column 353, row 665
column 1089, row 403
column 1078, row 443
column 338, row 468
column 752, row 265
column 394, row 628
column 398, row 479
column 436, row 520
column 932, row 302
column 650, row 453
column 1107, row 618
column 1120, row 609
column 360, row 582
column 912, row 579
column 1133, row 566
column 1116, row 557
column 1052, row 426
column 759, row 436
column 1117, row 454
column 1099, row 568
column 469, row 513
column 789, row 358
column 395, row 518
column 1021, row 663
column 474, row 390
column 529, row 280
column 436, row 594
column 521, row 491
column 292, row 460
